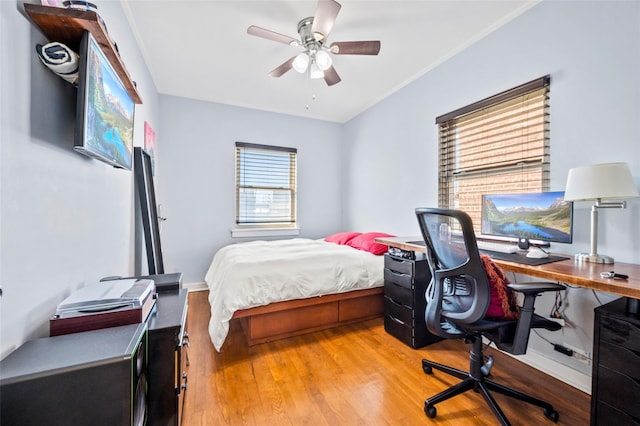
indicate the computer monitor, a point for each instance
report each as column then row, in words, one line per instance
column 539, row 217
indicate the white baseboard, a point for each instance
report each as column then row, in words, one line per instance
column 557, row 370
column 195, row 286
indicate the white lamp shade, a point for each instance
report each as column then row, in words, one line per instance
column 323, row 59
column 611, row 181
column 315, row 71
column 301, row 62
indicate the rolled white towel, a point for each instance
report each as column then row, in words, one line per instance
column 59, row 59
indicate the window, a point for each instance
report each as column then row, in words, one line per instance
column 497, row 145
column 265, row 186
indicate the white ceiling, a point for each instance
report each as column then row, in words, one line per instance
column 201, row 50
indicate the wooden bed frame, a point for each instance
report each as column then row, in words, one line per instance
column 294, row 317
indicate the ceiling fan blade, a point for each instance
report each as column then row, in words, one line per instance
column 324, row 18
column 282, row 68
column 331, row 77
column 272, row 35
column 355, row 47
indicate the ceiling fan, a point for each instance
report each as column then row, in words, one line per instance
column 314, row 31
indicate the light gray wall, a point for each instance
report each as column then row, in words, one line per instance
column 65, row 220
column 594, row 64
column 197, row 185
column 592, row 52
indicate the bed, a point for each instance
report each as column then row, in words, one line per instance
column 284, row 288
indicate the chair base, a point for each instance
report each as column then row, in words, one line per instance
column 478, row 382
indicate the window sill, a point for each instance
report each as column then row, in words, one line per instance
column 264, row 232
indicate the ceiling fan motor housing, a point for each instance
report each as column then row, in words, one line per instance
column 310, row 41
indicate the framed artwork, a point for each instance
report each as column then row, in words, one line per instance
column 150, row 145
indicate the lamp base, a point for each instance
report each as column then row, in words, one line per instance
column 593, row 258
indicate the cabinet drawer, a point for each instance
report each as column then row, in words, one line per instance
column 607, row 415
column 403, row 280
column 619, row 359
column 398, row 329
column 398, row 311
column 623, row 333
column 399, row 265
column 619, row 391
column 401, row 295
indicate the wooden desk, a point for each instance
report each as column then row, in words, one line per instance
column 616, row 327
column 582, row 274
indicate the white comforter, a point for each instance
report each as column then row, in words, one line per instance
column 257, row 273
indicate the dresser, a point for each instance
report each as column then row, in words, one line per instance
column 616, row 366
column 168, row 357
column 129, row 375
column 405, row 283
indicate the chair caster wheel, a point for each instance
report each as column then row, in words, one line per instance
column 426, row 368
column 551, row 414
column 430, row 410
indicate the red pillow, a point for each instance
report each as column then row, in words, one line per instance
column 342, row 237
column 367, row 242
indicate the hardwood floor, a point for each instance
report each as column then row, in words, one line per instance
column 351, row 375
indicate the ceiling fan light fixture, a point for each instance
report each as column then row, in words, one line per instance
column 315, row 72
column 323, row 60
column 301, row 62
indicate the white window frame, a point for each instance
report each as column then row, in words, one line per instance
column 261, row 226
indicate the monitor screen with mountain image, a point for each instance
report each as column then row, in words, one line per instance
column 540, row 217
column 105, row 111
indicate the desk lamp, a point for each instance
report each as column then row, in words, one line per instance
column 609, row 181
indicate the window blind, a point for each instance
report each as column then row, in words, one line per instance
column 265, row 185
column 497, row 145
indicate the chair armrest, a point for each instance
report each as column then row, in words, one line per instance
column 525, row 320
column 535, row 287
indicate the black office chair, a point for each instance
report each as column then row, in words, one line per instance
column 457, row 301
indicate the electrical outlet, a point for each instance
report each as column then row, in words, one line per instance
column 577, row 352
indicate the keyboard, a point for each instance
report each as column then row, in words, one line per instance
column 499, row 247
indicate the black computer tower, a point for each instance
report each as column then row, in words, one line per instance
column 90, row 378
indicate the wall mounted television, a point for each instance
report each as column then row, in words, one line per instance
column 540, row 217
column 105, row 111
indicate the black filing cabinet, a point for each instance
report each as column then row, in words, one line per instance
column 616, row 366
column 405, row 283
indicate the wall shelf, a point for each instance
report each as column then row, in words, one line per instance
column 67, row 26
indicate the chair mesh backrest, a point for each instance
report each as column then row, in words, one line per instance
column 459, row 291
